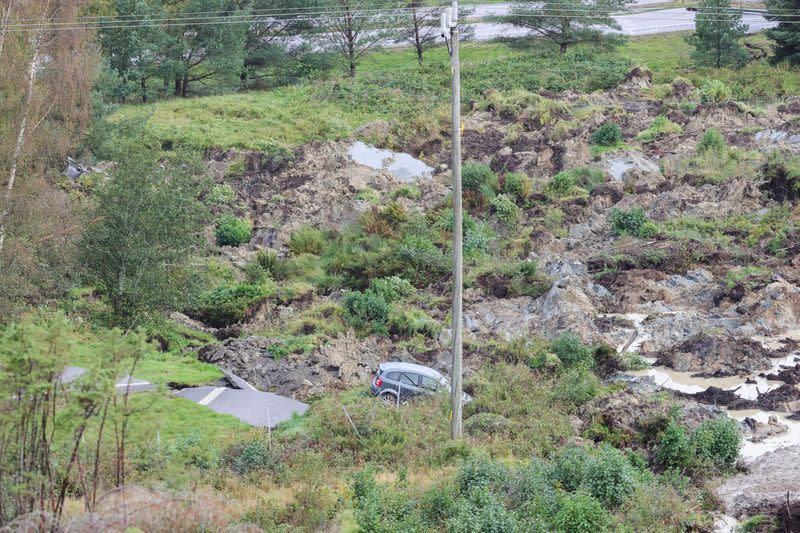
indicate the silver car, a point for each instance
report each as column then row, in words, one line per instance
column 397, row 382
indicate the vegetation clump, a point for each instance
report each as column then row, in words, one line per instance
column 609, row 134
column 661, row 126
column 634, row 222
column 232, row 231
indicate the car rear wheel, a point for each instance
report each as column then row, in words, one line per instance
column 388, row 398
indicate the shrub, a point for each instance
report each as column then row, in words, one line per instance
column 421, row 260
column 232, row 231
column 609, row 476
column 251, row 456
column 481, row 473
column 482, row 512
column 717, row 442
column 405, row 191
column 478, row 178
column 660, row 126
column 368, row 195
column 577, row 386
column 632, row 221
column 392, row 288
column 569, row 468
column 572, row 352
column 674, row 449
column 221, row 195
column 712, row 140
column 609, row 134
column 506, row 211
column 563, row 184
column 485, row 424
column 531, row 490
column 514, row 279
column 267, row 259
column 226, row 304
column 367, row 310
column 307, row 240
column 581, row 513
column 410, row 322
column 715, row 92
column 518, row 185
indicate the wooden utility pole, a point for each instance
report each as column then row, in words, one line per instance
column 450, row 20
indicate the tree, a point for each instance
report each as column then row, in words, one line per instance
column 354, row 27
column 39, row 466
column 787, row 34
column 201, row 50
column 46, row 77
column 144, row 227
column 420, row 25
column 718, row 29
column 269, row 36
column 136, row 54
column 567, row 22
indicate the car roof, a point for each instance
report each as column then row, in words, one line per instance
column 398, row 366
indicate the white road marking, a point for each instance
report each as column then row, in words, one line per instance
column 211, row 396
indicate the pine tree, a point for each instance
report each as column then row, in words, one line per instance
column 568, row 22
column 787, row 34
column 718, row 29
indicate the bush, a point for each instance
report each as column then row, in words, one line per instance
column 221, row 195
column 609, row 134
column 660, row 126
column 307, row 240
column 267, row 259
column 632, row 221
column 410, row 322
column 482, row 512
column 674, row 448
column 572, row 352
column 569, row 468
column 712, row 140
column 581, row 513
column 485, row 424
column 609, row 476
column 392, row 288
column 518, row 185
column 405, row 191
column 577, row 386
column 481, row 473
column 532, row 491
column 717, row 442
column 563, row 184
column 506, row 211
column 251, row 456
column 232, row 231
column 421, row 260
column 367, row 310
column 226, row 304
column 478, row 178
column 715, row 92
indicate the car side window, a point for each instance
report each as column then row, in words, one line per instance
column 394, row 376
column 408, row 379
column 430, row 383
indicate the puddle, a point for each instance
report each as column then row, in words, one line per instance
column 752, row 450
column 403, row 167
column 685, row 382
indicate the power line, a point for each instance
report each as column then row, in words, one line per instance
column 295, row 13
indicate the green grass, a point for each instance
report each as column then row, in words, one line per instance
column 176, row 417
column 170, row 367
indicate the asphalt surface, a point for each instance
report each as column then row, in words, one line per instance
column 71, row 373
column 648, row 23
column 260, row 409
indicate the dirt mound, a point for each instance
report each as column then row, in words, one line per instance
column 716, row 355
column 345, row 363
column 790, row 376
column 629, row 414
column 768, row 487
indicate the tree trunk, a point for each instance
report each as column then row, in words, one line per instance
column 352, row 57
column 5, row 15
column 417, row 42
column 20, row 135
column 563, row 48
column 185, row 85
column 144, row 90
column 178, row 89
